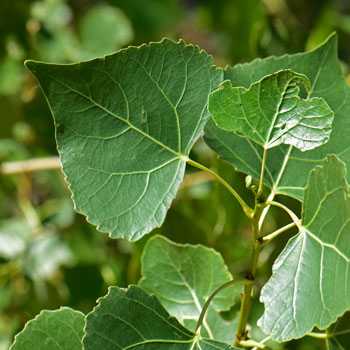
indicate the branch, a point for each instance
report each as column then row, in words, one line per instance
column 30, row 165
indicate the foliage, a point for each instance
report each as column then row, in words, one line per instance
column 51, row 257
column 151, row 110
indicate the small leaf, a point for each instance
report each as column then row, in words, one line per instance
column 52, row 330
column 287, row 168
column 124, row 127
column 132, row 319
column 183, row 277
column 310, row 284
column 270, row 112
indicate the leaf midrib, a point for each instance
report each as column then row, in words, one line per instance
column 196, row 301
column 277, row 113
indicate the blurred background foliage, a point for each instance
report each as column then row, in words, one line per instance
column 49, row 255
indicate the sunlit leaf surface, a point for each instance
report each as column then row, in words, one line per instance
column 183, row 277
column 271, row 112
column 310, row 284
column 287, row 167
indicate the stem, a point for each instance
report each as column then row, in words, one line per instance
column 30, row 165
column 206, row 305
column 252, row 342
column 266, row 209
column 248, row 289
column 262, row 342
column 319, row 335
column 247, row 210
column 275, row 186
column 261, row 182
column 290, row 213
column 268, row 238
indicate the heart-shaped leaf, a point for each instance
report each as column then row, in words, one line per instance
column 52, row 330
column 132, row 319
column 125, row 125
column 183, row 277
column 271, row 112
column 287, row 168
column 310, row 284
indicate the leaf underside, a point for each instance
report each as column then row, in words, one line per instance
column 52, row 330
column 287, row 168
column 271, row 112
column 124, row 125
column 310, row 284
column 183, row 277
column 115, row 324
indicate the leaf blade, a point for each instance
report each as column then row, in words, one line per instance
column 183, row 277
column 116, row 324
column 45, row 331
column 271, row 112
column 287, row 168
column 128, row 121
column 313, row 269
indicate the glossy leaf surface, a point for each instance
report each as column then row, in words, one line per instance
column 183, row 277
column 124, row 127
column 132, row 319
column 52, row 330
column 271, row 112
column 287, row 168
column 310, row 285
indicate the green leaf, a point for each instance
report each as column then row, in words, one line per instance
column 98, row 21
column 60, row 329
column 287, row 168
column 271, row 112
column 125, row 125
column 132, row 319
column 310, row 284
column 183, row 277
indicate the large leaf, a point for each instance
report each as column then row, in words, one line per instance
column 52, row 330
column 183, row 277
column 288, row 168
column 310, row 284
column 271, row 112
column 124, row 127
column 132, row 319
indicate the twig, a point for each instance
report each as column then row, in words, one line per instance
column 30, row 165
